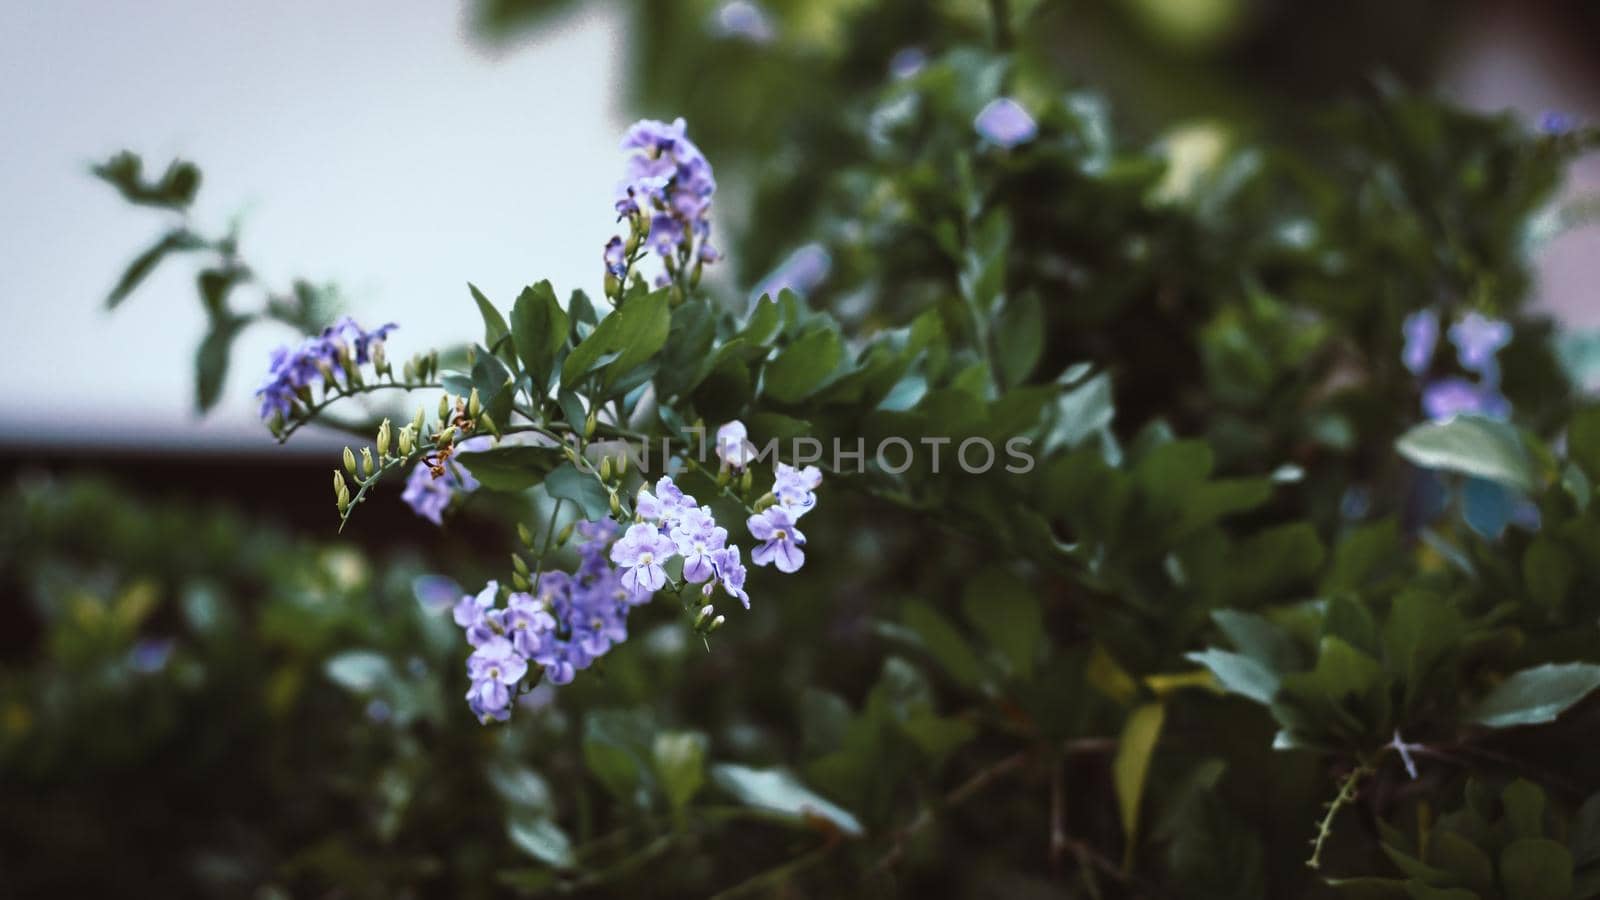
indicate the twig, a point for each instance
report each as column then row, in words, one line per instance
column 1346, row 796
column 958, row 795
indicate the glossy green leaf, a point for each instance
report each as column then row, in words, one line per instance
column 779, row 792
column 1471, row 445
column 565, row 482
column 539, row 330
column 803, row 367
column 1535, row 696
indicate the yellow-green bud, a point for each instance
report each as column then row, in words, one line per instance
column 380, row 357
column 474, row 405
column 766, row 500
column 518, row 563
column 746, row 481
column 724, row 476
column 338, row 483
column 715, row 624
column 519, row 581
column 406, row 440
column 366, row 462
column 605, row 468
column 385, row 437
column 704, row 616
column 565, row 534
column 408, row 372
column 446, row 437
column 525, row 535
column 588, row 425
column 622, row 462
column 418, row 421
column 487, row 424
column 444, row 408
column 349, row 461
column 616, row 505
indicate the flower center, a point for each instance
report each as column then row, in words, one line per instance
column 646, row 559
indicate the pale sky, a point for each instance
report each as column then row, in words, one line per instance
column 369, row 143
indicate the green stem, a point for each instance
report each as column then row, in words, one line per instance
column 331, row 398
column 1345, row 797
column 550, row 529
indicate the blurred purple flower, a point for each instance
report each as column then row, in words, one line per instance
column 1556, row 123
column 1477, row 339
column 744, row 19
column 1457, row 396
column 907, row 61
column 801, row 271
column 150, row 655
column 1005, row 123
column 1421, row 330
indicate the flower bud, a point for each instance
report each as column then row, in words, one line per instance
column 724, row 476
column 487, row 424
column 746, row 481
column 349, row 461
column 433, row 362
column 446, row 437
column 613, row 286
column 715, row 624
column 518, row 563
column 406, row 439
column 524, row 535
column 766, row 500
column 622, row 462
column 366, row 462
column 385, row 437
column 408, row 372
column 444, row 407
column 703, row 617
column 588, row 425
column 519, row 581
column 380, row 357
column 605, row 468
column 616, row 505
column 418, row 421
column 474, row 405
column 338, row 483
column 565, row 534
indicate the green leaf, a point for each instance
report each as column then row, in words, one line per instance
column 565, row 482
column 1536, row 869
column 617, row 749
column 539, row 330
column 1524, row 804
column 680, row 763
column 175, row 241
column 803, row 367
column 541, row 838
column 1005, row 611
column 1019, row 337
column 777, row 791
column 633, row 333
column 1239, row 674
column 1422, row 627
column 211, row 361
column 1535, row 696
column 1256, row 637
column 1131, row 766
column 937, row 736
column 1081, row 413
column 511, row 467
column 359, row 671
column 1549, row 571
column 763, row 325
column 943, row 642
column 1463, row 860
column 1583, row 441
column 1471, row 445
column 175, row 190
column 495, row 328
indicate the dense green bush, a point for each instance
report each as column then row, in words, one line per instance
column 1263, row 617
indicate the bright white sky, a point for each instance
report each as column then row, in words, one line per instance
column 366, row 142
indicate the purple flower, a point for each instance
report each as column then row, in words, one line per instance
column 696, row 546
column 743, row 19
column 801, row 271
column 734, row 447
column 315, row 361
column 469, row 610
column 906, row 62
column 435, row 593
column 495, row 669
column 151, row 654
column 428, row 496
column 641, row 553
column 1421, row 330
column 668, row 185
column 604, row 626
column 1556, row 123
column 1477, row 339
column 793, row 487
column 616, row 257
column 730, row 573
column 1005, row 123
column 782, row 540
column 1449, row 397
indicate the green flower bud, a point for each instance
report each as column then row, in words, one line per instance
column 385, row 436
column 446, row 437
column 380, row 357
column 366, row 462
column 746, row 481
column 349, row 461
column 518, row 563
column 418, row 421
column 622, row 462
column 444, row 407
column 588, row 425
column 338, row 483
column 715, row 624
column 766, row 500
column 474, row 405
column 524, row 535
column 703, row 617
column 565, row 534
column 724, row 476
column 406, row 440
column 605, row 468
column 487, row 424
column 408, row 372
column 616, row 505
column 520, row 581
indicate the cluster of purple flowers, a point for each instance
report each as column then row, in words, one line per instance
column 1005, row 123
column 671, row 523
column 428, row 495
column 326, row 358
column 1478, row 341
column 666, row 196
column 573, row 619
